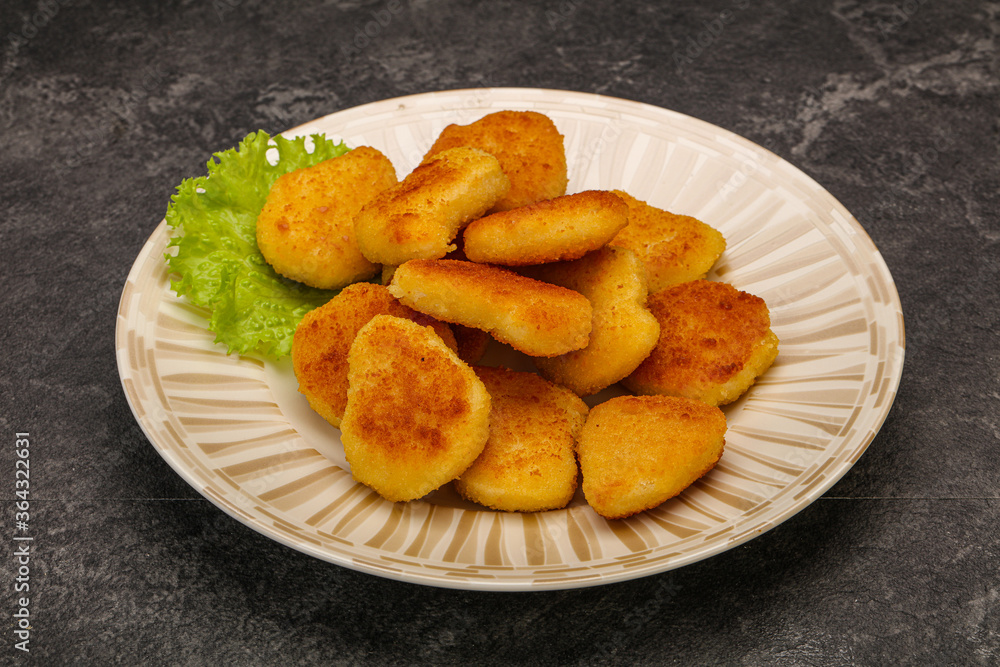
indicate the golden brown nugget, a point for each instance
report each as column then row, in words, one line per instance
column 715, row 341
column 529, row 462
column 530, row 149
column 458, row 253
column 539, row 319
column 306, row 228
column 624, row 331
column 674, row 248
column 638, row 451
column 324, row 336
column 420, row 217
column 417, row 416
column 553, row 230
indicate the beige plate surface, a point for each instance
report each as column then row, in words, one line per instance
column 238, row 431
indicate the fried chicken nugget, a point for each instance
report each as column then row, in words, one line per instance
column 529, row 462
column 529, row 147
column 539, row 319
column 472, row 343
column 419, row 217
column 553, row 230
column 306, row 228
column 715, row 341
column 624, row 331
column 674, row 248
column 324, row 336
column 638, row 451
column 417, row 416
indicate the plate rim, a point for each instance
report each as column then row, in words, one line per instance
column 505, row 584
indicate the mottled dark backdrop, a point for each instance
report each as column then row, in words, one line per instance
column 106, row 106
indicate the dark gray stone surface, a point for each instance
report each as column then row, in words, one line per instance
column 894, row 107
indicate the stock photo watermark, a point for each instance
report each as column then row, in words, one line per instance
column 366, row 31
column 33, row 25
column 593, row 147
column 927, row 156
column 711, row 31
column 900, row 16
column 223, row 7
column 91, row 138
column 749, row 166
column 638, row 616
column 558, row 15
column 469, row 109
column 22, row 543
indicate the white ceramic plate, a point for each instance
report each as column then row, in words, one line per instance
column 238, row 431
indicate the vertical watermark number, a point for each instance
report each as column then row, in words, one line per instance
column 22, row 542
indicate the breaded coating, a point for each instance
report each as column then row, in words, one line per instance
column 714, row 342
column 529, row 462
column 306, row 228
column 457, row 253
column 539, row 319
column 638, row 451
column 420, row 217
column 674, row 248
column 553, row 230
column 624, row 331
column 324, row 336
column 529, row 147
column 417, row 416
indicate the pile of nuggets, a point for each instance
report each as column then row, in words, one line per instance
column 481, row 242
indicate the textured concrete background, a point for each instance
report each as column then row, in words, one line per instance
column 105, row 106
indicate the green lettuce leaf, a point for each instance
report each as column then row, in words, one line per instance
column 217, row 262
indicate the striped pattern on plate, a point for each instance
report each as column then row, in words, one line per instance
column 238, row 431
